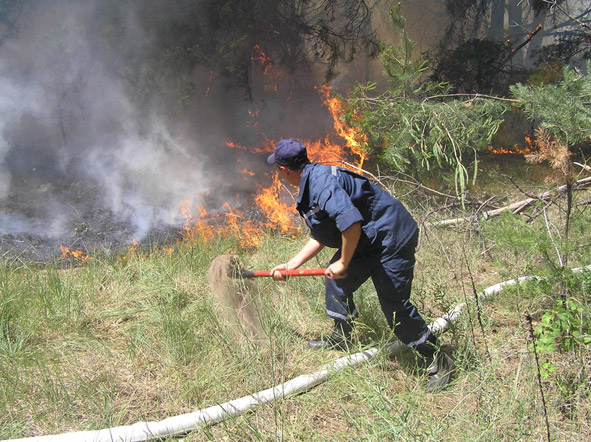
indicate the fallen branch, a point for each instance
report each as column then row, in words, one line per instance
column 378, row 180
column 516, row 207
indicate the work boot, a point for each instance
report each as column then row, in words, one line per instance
column 439, row 372
column 339, row 339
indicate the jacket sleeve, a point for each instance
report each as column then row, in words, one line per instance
column 337, row 204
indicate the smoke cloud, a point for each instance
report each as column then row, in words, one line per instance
column 72, row 139
column 80, row 153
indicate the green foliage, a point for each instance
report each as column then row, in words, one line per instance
column 134, row 337
column 414, row 126
column 520, row 241
column 419, row 135
column 586, row 284
column 548, row 73
column 12, row 338
column 219, row 36
column 15, row 330
column 401, row 71
column 565, row 327
column 562, row 108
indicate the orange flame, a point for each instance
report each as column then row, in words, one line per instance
column 78, row 255
column 209, row 82
column 195, row 227
column 204, row 228
column 237, row 227
column 129, row 253
column 354, row 138
column 516, row 149
column 279, row 216
column 235, row 146
column 262, row 59
column 247, row 172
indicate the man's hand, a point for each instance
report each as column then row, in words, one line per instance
column 277, row 276
column 336, row 270
column 309, row 251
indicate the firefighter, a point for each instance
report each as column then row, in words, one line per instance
column 375, row 237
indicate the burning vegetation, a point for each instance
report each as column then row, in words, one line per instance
column 254, row 201
column 274, row 203
column 516, row 149
column 78, row 255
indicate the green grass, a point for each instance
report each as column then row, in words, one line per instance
column 137, row 337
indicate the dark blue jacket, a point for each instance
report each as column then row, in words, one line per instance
column 332, row 199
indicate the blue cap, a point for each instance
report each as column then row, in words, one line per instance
column 290, row 153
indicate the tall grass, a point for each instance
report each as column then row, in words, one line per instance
column 136, row 337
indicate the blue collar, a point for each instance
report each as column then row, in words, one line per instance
column 304, row 180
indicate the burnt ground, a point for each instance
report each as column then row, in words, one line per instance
column 39, row 215
column 43, row 212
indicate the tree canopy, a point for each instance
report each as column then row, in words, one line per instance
column 488, row 44
column 225, row 36
column 417, row 124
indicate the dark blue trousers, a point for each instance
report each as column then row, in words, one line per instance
column 392, row 275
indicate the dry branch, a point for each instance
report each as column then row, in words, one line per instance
column 516, row 207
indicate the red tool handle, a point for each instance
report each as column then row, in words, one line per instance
column 294, row 272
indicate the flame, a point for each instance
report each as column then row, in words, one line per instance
column 279, row 215
column 129, row 253
column 235, row 146
column 204, row 227
column 516, row 149
column 237, row 227
column 209, row 82
column 261, row 59
column 78, row 255
column 354, row 138
column 199, row 225
column 195, row 226
column 268, row 146
column 185, row 211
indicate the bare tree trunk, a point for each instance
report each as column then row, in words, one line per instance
column 496, row 30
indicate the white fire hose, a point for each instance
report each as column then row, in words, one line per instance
column 185, row 423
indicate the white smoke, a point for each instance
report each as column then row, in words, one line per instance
column 4, row 174
column 145, row 175
column 64, row 118
column 84, row 130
